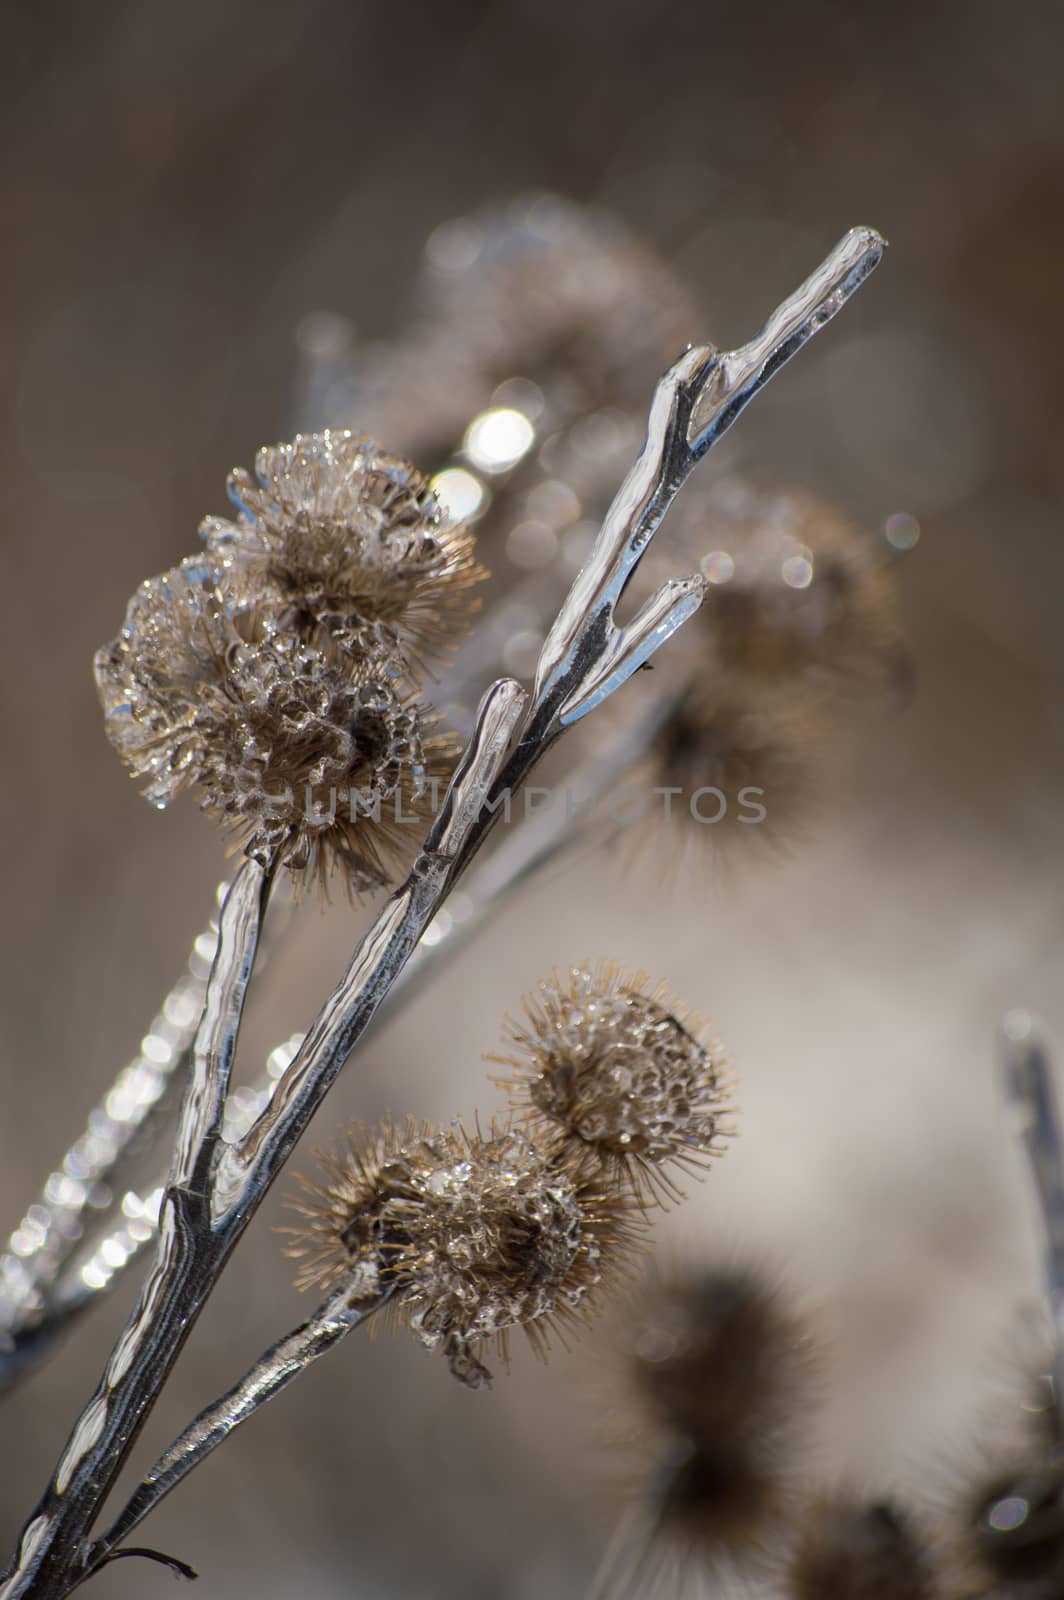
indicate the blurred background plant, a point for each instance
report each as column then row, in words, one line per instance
column 208, row 208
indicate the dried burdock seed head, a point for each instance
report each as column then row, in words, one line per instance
column 507, row 1238
column 477, row 1234
column 793, row 587
column 544, row 283
column 310, row 755
column 850, row 1549
column 738, row 761
column 1013, row 1530
column 718, row 1371
column 612, row 1069
column 352, row 539
column 544, row 288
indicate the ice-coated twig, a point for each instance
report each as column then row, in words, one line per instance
column 1029, row 1086
column 70, row 1248
column 53, row 1227
column 586, row 657
column 333, row 1320
column 696, row 403
column 51, row 1552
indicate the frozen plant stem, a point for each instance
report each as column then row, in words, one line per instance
column 76, row 1257
column 333, row 1320
column 217, row 1187
column 186, row 1254
column 1028, row 1072
column 528, row 848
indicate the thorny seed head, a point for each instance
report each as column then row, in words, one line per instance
column 754, row 749
column 717, row 1370
column 352, row 539
column 548, row 283
column 793, row 589
column 308, row 753
column 609, row 1066
column 542, row 287
column 853, row 1550
column 1013, row 1531
column 797, row 630
column 478, row 1235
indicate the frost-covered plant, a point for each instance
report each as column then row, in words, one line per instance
column 279, row 676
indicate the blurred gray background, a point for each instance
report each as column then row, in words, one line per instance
column 184, row 184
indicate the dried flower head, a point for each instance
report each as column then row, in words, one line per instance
column 477, row 1234
column 348, row 1229
column 544, row 282
column 855, row 1550
column 717, row 1370
column 738, row 761
column 352, row 539
column 313, row 756
column 794, row 588
column 1013, row 1530
column 608, row 1065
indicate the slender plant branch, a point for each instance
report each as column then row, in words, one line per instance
column 68, row 1251
column 1028, row 1072
column 527, row 848
column 333, row 1320
column 586, row 657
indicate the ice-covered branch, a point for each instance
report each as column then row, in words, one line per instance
column 333, row 1320
column 49, row 1560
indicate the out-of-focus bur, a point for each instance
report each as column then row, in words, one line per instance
column 849, row 1549
column 738, row 760
column 275, row 675
column 798, row 630
column 475, row 1235
column 542, row 288
column 718, row 1371
column 613, row 1071
column 353, row 539
column 795, row 589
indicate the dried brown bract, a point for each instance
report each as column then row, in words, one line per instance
column 478, row 1234
column 610, row 1067
column 312, row 756
column 352, row 539
column 718, row 1371
column 849, row 1549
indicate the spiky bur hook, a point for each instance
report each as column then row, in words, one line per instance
column 216, row 1186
